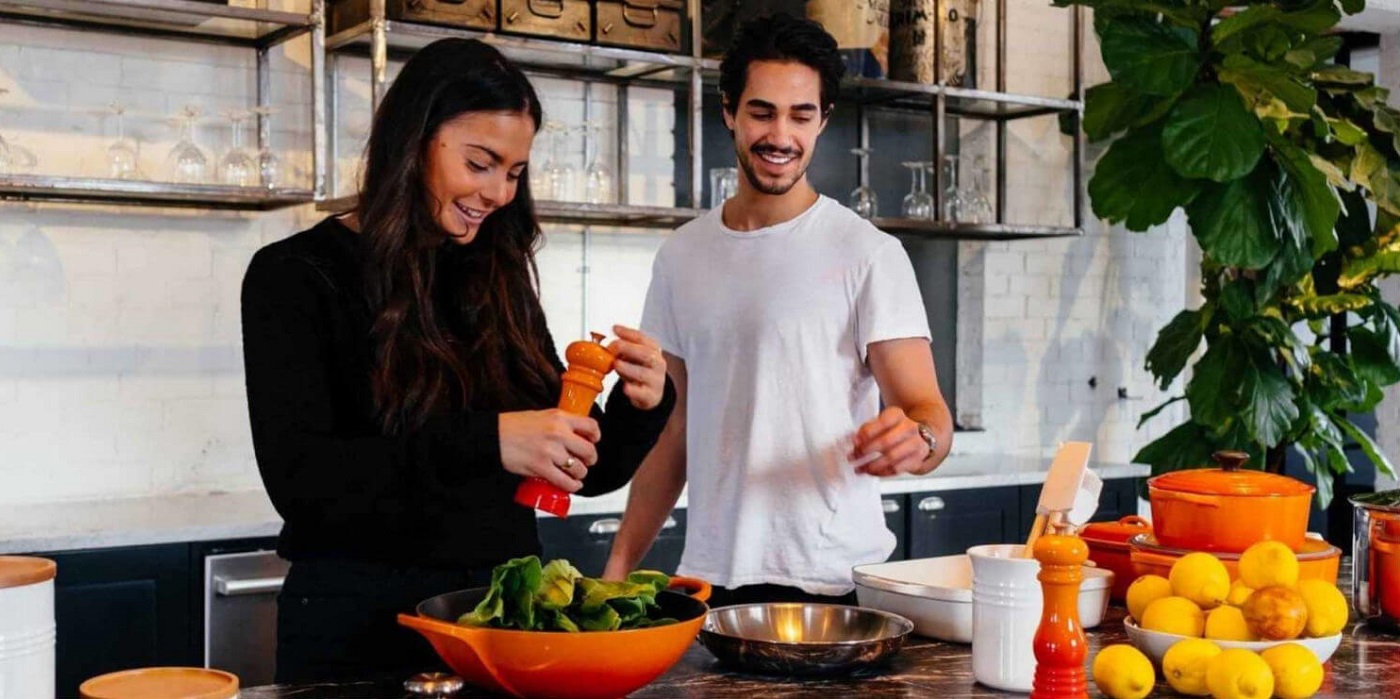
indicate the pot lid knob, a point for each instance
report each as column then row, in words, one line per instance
column 434, row 684
column 1230, row 460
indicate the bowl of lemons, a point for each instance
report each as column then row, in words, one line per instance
column 1263, row 629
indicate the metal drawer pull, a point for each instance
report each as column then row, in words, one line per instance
column 248, row 586
column 932, row 503
column 551, row 9
column 605, row 527
column 640, row 21
column 890, row 506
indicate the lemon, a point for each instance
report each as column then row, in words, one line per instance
column 1297, row 672
column 1239, row 674
column 1327, row 608
column 1123, row 672
column 1239, row 592
column 1176, row 615
column 1268, row 563
column 1226, row 623
column 1185, row 665
column 1144, row 591
column 1201, row 578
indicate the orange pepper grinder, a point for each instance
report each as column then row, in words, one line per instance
column 1060, row 646
column 589, row 361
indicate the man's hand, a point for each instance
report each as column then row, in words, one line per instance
column 895, row 437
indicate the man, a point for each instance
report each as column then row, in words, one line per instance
column 785, row 318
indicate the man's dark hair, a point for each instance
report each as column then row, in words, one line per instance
column 781, row 37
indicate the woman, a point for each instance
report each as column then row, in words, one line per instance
column 400, row 374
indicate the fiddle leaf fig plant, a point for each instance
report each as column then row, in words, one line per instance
column 1288, row 169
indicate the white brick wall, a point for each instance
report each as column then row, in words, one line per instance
column 120, row 364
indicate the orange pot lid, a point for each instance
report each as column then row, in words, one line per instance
column 1230, row 479
column 18, row 571
column 1115, row 532
column 162, row 683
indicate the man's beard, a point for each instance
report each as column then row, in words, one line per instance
column 779, row 188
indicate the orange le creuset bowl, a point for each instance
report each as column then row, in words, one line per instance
column 557, row 664
column 1228, row 509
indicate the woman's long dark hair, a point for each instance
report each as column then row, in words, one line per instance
column 443, row 341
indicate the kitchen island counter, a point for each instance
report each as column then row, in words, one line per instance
column 1367, row 665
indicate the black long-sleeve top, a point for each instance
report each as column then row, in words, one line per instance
column 436, row 496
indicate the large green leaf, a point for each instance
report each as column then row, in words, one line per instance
column 1339, row 79
column 1112, row 107
column 1133, row 184
column 1316, row 18
column 1147, row 56
column 1329, row 305
column 1372, row 170
column 1233, row 222
column 1371, row 353
column 1174, row 346
column 1188, row 445
column 1249, row 75
column 1276, row 333
column 1368, row 446
column 1142, row 420
column 1269, row 409
column 1214, row 387
column 557, row 585
column 1211, row 135
column 1352, row 7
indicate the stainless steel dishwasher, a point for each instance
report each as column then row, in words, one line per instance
column 240, row 613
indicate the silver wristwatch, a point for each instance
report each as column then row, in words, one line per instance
column 926, row 433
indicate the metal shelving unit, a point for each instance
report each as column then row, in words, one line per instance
column 256, row 29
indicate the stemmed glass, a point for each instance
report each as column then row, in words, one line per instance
column 863, row 200
column 953, row 205
column 187, row 162
column 557, row 175
column 918, row 203
column 269, row 165
column 15, row 158
column 976, row 207
column 122, row 159
column 598, row 178
column 238, row 167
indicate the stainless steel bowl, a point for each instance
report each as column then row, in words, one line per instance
column 803, row 639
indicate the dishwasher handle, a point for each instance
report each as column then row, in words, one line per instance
column 236, row 587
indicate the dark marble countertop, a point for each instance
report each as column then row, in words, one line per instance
column 1366, row 665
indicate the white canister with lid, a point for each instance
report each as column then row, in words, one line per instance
column 26, row 627
column 1006, row 606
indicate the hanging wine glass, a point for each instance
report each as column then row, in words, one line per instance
column 122, row 159
column 597, row 177
column 918, row 203
column 238, row 167
column 554, row 174
column 187, row 162
column 953, row 205
column 863, row 200
column 977, row 207
column 269, row 165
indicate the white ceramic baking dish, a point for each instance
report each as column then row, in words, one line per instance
column 936, row 594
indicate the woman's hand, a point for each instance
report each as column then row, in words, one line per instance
column 640, row 365
column 549, row 444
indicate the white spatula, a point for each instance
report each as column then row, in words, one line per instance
column 1070, row 495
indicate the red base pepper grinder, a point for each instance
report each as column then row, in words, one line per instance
column 589, row 361
column 1060, row 646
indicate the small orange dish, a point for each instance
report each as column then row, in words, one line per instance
column 1109, row 549
column 1317, row 559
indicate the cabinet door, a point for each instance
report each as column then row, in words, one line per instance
column 949, row 522
column 896, row 519
column 586, row 541
column 121, row 608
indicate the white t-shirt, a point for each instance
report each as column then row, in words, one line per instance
column 773, row 325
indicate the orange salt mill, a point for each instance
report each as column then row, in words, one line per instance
column 589, row 361
column 1060, row 646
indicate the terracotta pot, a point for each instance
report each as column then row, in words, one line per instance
column 557, row 664
column 1228, row 509
column 1108, row 549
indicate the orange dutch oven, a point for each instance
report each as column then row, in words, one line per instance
column 1108, row 549
column 558, row 664
column 1228, row 508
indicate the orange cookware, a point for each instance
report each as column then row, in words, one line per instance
column 1376, row 558
column 162, row 683
column 1108, row 549
column 557, row 664
column 1317, row 559
column 1228, row 509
